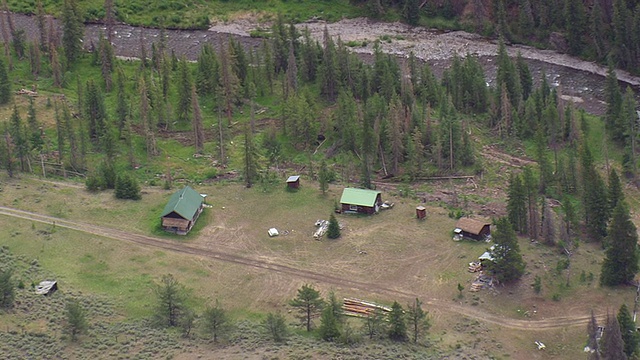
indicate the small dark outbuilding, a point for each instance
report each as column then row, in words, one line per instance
column 182, row 211
column 421, row 212
column 473, row 229
column 360, row 201
column 293, row 182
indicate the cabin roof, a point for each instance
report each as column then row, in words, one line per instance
column 361, row 197
column 471, row 226
column 184, row 202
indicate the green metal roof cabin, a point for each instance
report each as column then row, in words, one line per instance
column 360, row 201
column 182, row 211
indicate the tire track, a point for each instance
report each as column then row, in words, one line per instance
column 355, row 285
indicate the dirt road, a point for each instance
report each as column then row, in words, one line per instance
column 297, row 273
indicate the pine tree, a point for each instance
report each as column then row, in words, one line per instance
column 122, row 106
column 329, row 328
column 308, row 304
column 507, row 265
column 329, row 72
column 5, row 84
column 575, row 20
column 207, row 71
column 56, row 68
column 417, row 319
column 107, row 59
column 35, row 130
column 198, row 130
column 630, row 335
column 397, row 330
column 592, row 332
column 7, row 289
column 275, row 324
column 73, row 30
column 620, row 264
column 250, row 158
column 216, row 321
column 323, row 177
column 95, row 112
column 183, row 110
column 76, row 320
column 42, row 26
column 333, row 232
column 612, row 344
column 170, row 301
column 19, row 138
column 374, row 324
column 614, row 105
column 229, row 83
column 126, row 187
column 615, row 194
column 517, row 205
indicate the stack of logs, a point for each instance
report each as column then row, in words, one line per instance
column 359, row 308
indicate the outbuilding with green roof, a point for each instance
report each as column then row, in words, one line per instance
column 362, row 201
column 182, row 211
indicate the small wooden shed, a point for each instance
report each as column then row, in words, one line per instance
column 421, row 212
column 361, row 201
column 293, row 182
column 473, row 229
column 182, row 211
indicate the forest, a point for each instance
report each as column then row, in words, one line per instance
column 297, row 103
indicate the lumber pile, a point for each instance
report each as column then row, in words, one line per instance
column 26, row 92
column 475, row 266
column 481, row 282
column 359, row 308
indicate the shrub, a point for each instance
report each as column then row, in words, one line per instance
column 127, row 187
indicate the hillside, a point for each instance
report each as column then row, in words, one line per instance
column 247, row 113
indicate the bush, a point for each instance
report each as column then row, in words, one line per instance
column 93, row 183
column 333, row 232
column 127, row 187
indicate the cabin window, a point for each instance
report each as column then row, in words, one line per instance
column 353, row 207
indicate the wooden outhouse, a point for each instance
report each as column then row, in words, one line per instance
column 293, row 182
column 421, row 212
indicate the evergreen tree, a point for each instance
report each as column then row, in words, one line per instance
column 397, row 329
column 308, row 304
column 374, row 324
column 198, row 130
column 630, row 335
column 323, row 177
column 615, row 194
column 411, row 12
column 19, row 138
column 183, row 110
column 229, row 83
column 122, row 106
column 517, row 205
column 5, row 84
column 507, row 265
column 7, row 289
column 126, row 187
column 613, row 98
column 276, row 326
column 612, row 344
column 42, row 26
column 592, row 332
column 107, row 59
column 95, row 112
column 216, row 321
column 620, row 264
column 329, row 72
column 333, row 232
column 207, row 71
column 329, row 328
column 417, row 319
column 76, row 320
column 170, row 297
column 250, row 158
column 531, row 189
column 72, row 30
column 575, row 20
